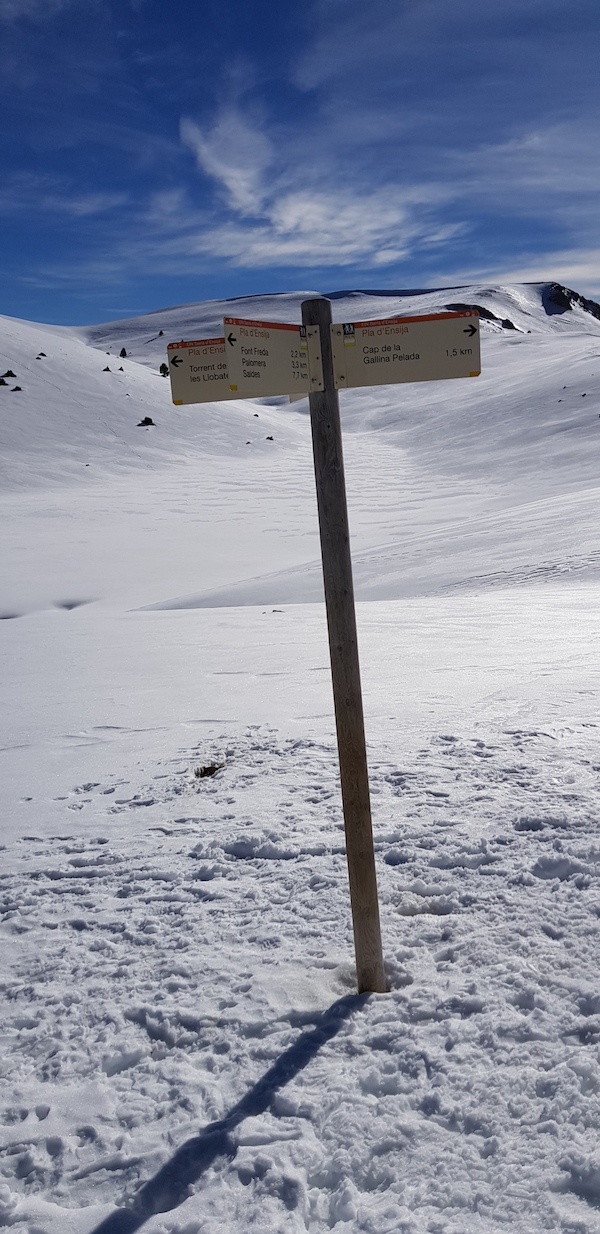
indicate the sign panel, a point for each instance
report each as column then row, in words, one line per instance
column 198, row 371
column 397, row 349
column 269, row 357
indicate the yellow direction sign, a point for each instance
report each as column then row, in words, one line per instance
column 430, row 348
column 271, row 357
column 198, row 371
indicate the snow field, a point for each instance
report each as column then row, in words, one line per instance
column 172, row 936
column 182, row 1048
column 162, row 972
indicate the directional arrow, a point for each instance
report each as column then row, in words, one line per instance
column 175, row 360
column 231, row 340
column 470, row 330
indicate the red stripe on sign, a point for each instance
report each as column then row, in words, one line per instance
column 199, row 342
column 396, row 321
column 262, row 325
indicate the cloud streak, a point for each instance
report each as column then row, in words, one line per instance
column 576, row 268
column 339, row 228
column 235, row 154
column 47, row 194
column 31, row 10
column 282, row 212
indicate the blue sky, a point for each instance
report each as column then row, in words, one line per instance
column 155, row 154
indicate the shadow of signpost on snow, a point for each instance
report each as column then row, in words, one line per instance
column 170, row 1185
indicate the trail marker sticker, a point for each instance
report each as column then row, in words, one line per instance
column 198, row 371
column 398, row 349
column 271, row 357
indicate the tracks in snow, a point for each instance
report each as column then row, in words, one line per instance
column 169, row 949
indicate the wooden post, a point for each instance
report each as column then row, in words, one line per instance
column 343, row 650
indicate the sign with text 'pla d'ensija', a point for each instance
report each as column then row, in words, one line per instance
column 198, row 371
column 271, row 357
column 434, row 347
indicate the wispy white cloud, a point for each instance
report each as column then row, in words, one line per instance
column 576, row 268
column 84, row 205
column 233, row 152
column 272, row 210
column 38, row 10
column 339, row 227
column 496, row 103
column 166, row 208
column 47, row 194
column 45, row 10
column 282, row 211
column 546, row 161
column 77, row 276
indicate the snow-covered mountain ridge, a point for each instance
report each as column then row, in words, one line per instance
column 539, row 307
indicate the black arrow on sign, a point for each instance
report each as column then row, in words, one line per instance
column 470, row 330
column 175, row 360
column 231, row 340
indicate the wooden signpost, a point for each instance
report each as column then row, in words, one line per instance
column 343, row 652
column 257, row 359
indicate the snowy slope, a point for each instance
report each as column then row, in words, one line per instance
column 182, row 1051
column 430, row 468
column 77, row 406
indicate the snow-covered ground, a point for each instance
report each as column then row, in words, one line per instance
column 182, row 1046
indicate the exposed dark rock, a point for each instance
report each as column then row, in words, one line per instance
column 106, row 370
column 146, row 422
column 122, row 353
column 465, row 308
column 9, row 373
column 15, row 388
column 557, row 299
column 485, row 313
column 3, row 382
